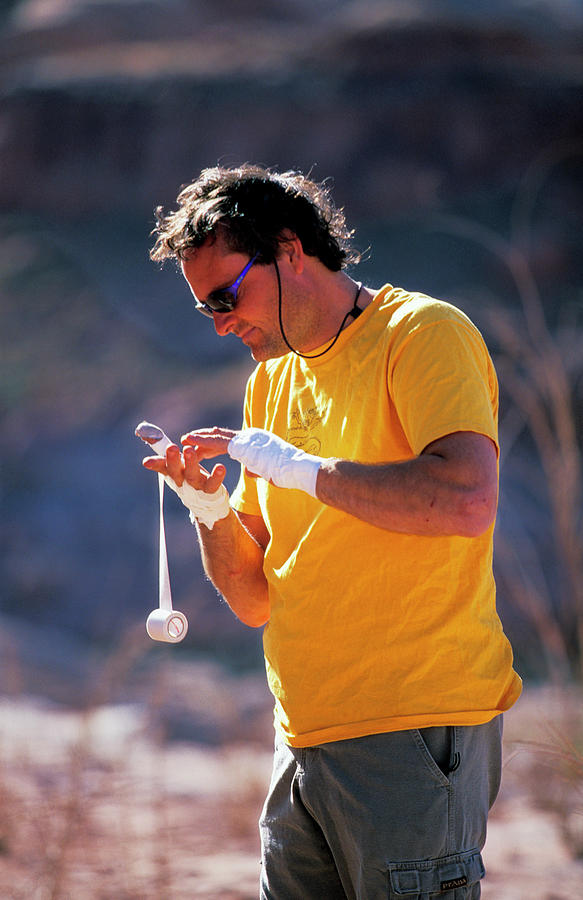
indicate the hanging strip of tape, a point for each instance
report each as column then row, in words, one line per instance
column 165, row 623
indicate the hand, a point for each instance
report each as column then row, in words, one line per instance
column 262, row 453
column 184, row 467
column 203, row 494
column 266, row 455
column 209, row 442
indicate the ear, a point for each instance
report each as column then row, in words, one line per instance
column 291, row 250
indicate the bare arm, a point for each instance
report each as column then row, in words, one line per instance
column 451, row 488
column 232, row 552
column 233, row 560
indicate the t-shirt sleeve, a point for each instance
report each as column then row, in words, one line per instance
column 442, row 380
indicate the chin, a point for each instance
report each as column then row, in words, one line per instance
column 261, row 355
column 263, row 352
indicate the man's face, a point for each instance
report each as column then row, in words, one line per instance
column 255, row 317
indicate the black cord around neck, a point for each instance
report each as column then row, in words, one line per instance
column 354, row 312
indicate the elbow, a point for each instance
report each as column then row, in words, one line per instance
column 255, row 614
column 259, row 623
column 477, row 515
column 255, row 619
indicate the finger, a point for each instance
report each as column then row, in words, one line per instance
column 209, row 437
column 209, row 447
column 215, row 479
column 175, row 464
column 213, row 442
column 214, row 431
column 155, row 464
column 194, row 474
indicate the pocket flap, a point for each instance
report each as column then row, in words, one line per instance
column 436, row 876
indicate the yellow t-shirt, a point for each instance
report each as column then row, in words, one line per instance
column 371, row 630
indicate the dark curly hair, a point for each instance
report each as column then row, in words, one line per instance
column 254, row 206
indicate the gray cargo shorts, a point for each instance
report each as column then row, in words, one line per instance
column 396, row 815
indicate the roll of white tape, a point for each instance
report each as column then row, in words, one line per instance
column 164, row 623
column 167, row 625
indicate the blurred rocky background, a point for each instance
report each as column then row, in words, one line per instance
column 453, row 133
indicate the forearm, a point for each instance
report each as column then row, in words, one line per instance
column 451, row 488
column 423, row 496
column 233, row 561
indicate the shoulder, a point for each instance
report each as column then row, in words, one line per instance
column 410, row 315
column 411, row 310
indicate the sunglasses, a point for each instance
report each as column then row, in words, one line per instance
column 224, row 299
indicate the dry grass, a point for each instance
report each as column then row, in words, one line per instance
column 536, row 834
column 101, row 803
column 533, row 850
column 540, row 368
column 98, row 804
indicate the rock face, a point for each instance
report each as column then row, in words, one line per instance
column 108, row 106
column 105, row 109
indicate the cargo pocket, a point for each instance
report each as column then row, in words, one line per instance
column 452, row 877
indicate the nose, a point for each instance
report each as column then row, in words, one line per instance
column 224, row 323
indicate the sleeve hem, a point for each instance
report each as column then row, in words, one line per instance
column 449, row 428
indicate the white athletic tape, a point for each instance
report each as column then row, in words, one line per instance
column 165, row 623
column 269, row 456
column 170, row 627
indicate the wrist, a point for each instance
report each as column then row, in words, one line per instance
column 300, row 472
column 270, row 457
column 205, row 508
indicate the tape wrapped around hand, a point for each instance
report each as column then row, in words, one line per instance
column 206, row 508
column 269, row 456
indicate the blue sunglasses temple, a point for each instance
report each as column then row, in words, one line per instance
column 235, row 286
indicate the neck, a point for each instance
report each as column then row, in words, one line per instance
column 328, row 308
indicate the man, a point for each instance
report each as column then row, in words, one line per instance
column 359, row 535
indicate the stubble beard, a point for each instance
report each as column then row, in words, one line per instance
column 269, row 347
